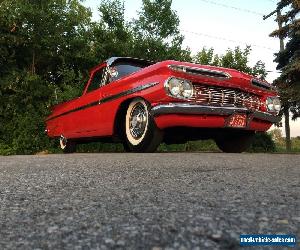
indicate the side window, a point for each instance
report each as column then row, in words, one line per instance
column 96, row 80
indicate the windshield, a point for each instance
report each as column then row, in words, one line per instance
column 120, row 70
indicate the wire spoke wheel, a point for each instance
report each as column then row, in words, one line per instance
column 138, row 120
column 141, row 133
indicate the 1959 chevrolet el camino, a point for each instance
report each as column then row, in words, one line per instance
column 142, row 104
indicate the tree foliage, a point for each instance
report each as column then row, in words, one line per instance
column 289, row 59
column 157, row 20
column 156, row 32
column 41, row 42
column 235, row 59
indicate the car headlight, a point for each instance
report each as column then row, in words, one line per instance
column 179, row 88
column 273, row 104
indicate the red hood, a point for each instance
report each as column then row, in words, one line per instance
column 237, row 78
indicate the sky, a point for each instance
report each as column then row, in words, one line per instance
column 223, row 24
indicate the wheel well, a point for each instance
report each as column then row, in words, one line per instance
column 119, row 119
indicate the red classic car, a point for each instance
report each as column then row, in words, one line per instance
column 142, row 104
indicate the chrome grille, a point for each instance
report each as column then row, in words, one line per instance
column 225, row 96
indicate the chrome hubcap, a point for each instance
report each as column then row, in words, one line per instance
column 63, row 142
column 137, row 121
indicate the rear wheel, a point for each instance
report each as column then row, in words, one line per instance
column 235, row 142
column 141, row 132
column 67, row 146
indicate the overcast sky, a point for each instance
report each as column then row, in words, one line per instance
column 223, row 24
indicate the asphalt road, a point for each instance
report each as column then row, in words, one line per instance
column 146, row 201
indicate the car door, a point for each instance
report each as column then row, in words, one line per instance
column 87, row 116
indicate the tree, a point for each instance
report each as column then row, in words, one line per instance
column 156, row 32
column 39, row 40
column 112, row 34
column 289, row 60
column 207, row 57
column 276, row 134
column 235, row 59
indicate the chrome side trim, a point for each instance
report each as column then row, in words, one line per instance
column 107, row 99
column 200, row 71
column 127, row 92
column 195, row 109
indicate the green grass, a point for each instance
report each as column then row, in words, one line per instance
column 203, row 145
column 280, row 145
column 192, row 146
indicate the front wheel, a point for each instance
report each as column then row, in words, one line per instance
column 141, row 132
column 67, row 146
column 235, row 142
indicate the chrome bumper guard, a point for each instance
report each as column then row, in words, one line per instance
column 196, row 109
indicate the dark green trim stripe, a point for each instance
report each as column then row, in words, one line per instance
column 107, row 99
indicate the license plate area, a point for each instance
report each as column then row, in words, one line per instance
column 237, row 121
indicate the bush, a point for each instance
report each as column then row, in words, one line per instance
column 262, row 142
column 6, row 149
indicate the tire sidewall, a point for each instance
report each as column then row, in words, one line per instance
column 236, row 143
column 152, row 135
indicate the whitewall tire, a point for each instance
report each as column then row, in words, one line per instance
column 141, row 132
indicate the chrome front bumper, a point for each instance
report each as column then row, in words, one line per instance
column 196, row 109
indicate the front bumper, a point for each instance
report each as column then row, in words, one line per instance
column 196, row 109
